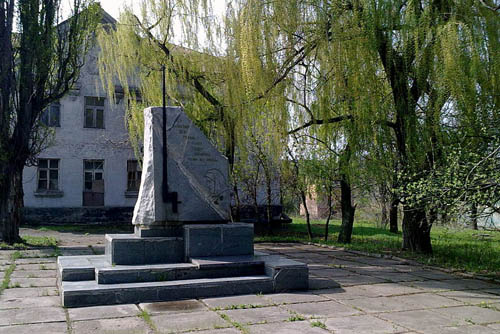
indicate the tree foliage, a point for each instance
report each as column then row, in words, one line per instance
column 409, row 89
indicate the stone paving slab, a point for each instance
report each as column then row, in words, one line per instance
column 235, row 301
column 296, row 327
column 29, row 302
column 34, row 274
column 47, row 328
column 421, row 320
column 35, row 260
column 397, row 277
column 102, row 312
column 37, row 266
column 294, row 297
column 362, row 324
column 173, row 307
column 454, row 284
column 472, row 296
column 130, row 325
column 29, row 292
column 258, row 315
column 329, row 272
column 326, row 309
column 472, row 329
column 388, row 289
column 432, row 274
column 29, row 315
column 171, row 323
column 32, row 282
column 347, row 292
column 356, row 279
column 216, row 331
column 319, row 283
column 471, row 314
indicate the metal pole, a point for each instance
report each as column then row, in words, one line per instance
column 164, row 142
column 166, row 195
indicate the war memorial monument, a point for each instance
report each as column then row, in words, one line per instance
column 184, row 244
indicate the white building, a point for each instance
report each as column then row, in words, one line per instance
column 89, row 172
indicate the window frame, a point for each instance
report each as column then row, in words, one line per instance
column 48, row 113
column 47, row 178
column 93, row 104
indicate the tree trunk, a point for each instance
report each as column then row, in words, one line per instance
column 348, row 210
column 308, row 218
column 416, row 231
column 11, row 202
column 474, row 216
column 329, row 214
column 393, row 214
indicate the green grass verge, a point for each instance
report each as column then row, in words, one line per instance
column 459, row 249
column 31, row 241
column 83, row 229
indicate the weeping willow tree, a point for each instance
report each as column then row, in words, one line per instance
column 205, row 74
column 421, row 71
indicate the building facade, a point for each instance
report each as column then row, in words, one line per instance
column 89, row 172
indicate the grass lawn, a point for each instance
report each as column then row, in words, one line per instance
column 30, row 241
column 459, row 249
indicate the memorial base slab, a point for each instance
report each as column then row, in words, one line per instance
column 203, row 260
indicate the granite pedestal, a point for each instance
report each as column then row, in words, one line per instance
column 208, row 260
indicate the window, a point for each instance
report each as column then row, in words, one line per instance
column 48, row 174
column 93, row 175
column 133, row 175
column 51, row 115
column 94, row 112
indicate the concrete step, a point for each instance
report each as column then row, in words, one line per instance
column 176, row 271
column 86, row 268
column 79, row 268
column 89, row 293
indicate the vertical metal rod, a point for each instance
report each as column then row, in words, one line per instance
column 165, row 174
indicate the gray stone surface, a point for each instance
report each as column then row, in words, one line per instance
column 362, row 324
column 29, row 292
column 472, row 297
column 88, row 293
column 295, row 297
column 322, row 309
column 471, row 314
column 296, row 327
column 258, row 315
column 196, row 171
column 130, row 325
column 421, row 320
column 233, row 301
column 287, row 274
column 146, row 273
column 174, row 323
column 34, row 273
column 174, row 307
column 27, row 302
column 102, row 312
column 30, row 316
column 126, row 249
column 47, row 328
column 32, row 282
column 218, row 239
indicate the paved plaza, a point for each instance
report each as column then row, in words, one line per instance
column 349, row 293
